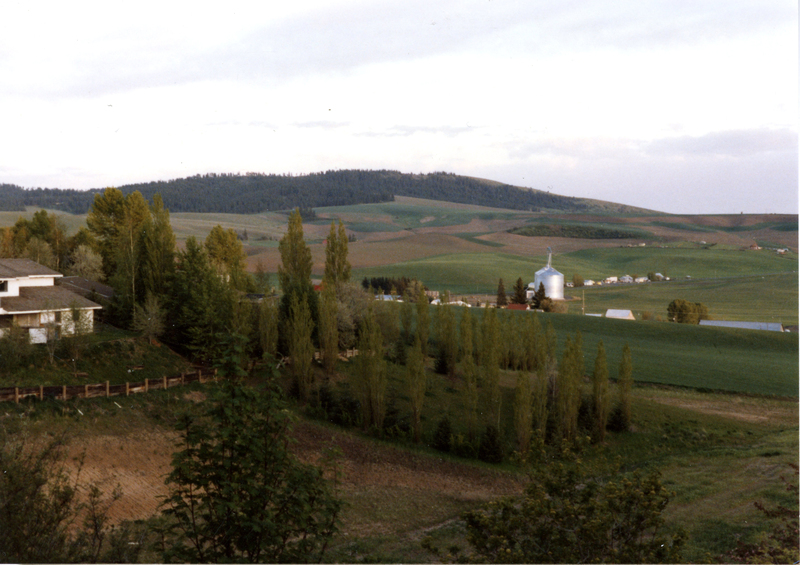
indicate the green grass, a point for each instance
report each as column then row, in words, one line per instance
column 749, row 361
column 768, row 298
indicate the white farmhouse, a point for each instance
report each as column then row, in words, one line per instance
column 30, row 300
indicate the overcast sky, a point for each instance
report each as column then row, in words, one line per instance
column 685, row 106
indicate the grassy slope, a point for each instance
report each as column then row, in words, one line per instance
column 701, row 357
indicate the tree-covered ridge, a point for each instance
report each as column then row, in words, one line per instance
column 256, row 192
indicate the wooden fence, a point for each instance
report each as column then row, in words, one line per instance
column 67, row 392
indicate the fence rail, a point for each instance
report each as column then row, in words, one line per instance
column 67, row 392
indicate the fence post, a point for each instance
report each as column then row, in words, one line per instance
column 41, row 392
column 108, row 388
column 86, row 391
column 146, row 385
column 165, row 382
column 64, row 392
column 127, row 388
column 182, row 379
column 16, row 394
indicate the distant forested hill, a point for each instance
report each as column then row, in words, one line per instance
column 255, row 192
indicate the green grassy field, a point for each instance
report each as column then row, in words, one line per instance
column 748, row 361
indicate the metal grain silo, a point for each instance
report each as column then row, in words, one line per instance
column 553, row 280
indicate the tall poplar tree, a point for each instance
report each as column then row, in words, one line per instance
column 417, row 385
column 370, row 373
column 329, row 329
column 337, row 266
column 624, row 385
column 104, row 220
column 158, row 250
column 301, row 348
column 423, row 320
column 523, row 414
column 294, row 274
column 600, row 393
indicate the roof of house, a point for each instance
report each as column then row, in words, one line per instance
column 85, row 287
column 17, row 268
column 620, row 314
column 517, row 307
column 769, row 326
column 43, row 299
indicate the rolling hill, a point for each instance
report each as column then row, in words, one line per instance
column 257, row 192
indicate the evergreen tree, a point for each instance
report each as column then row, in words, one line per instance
column 538, row 297
column 104, row 221
column 520, row 296
column 200, row 303
column 600, row 393
column 502, row 299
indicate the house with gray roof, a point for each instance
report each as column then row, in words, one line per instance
column 30, row 299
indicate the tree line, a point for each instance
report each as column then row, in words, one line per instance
column 256, row 192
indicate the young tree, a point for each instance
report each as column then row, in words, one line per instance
column 577, row 280
column 502, row 299
column 329, row 329
column 519, row 296
column 301, row 348
column 417, row 385
column 128, row 256
column 86, row 263
column 600, row 399
column 148, row 319
column 237, row 494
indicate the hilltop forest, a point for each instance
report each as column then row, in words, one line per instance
column 257, row 192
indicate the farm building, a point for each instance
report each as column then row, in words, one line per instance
column 768, row 326
column 552, row 280
column 620, row 314
column 626, row 279
column 30, row 300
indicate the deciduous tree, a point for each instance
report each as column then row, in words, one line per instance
column 236, row 493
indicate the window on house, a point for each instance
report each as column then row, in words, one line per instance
column 3, row 286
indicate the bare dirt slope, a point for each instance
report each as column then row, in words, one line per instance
column 384, row 486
